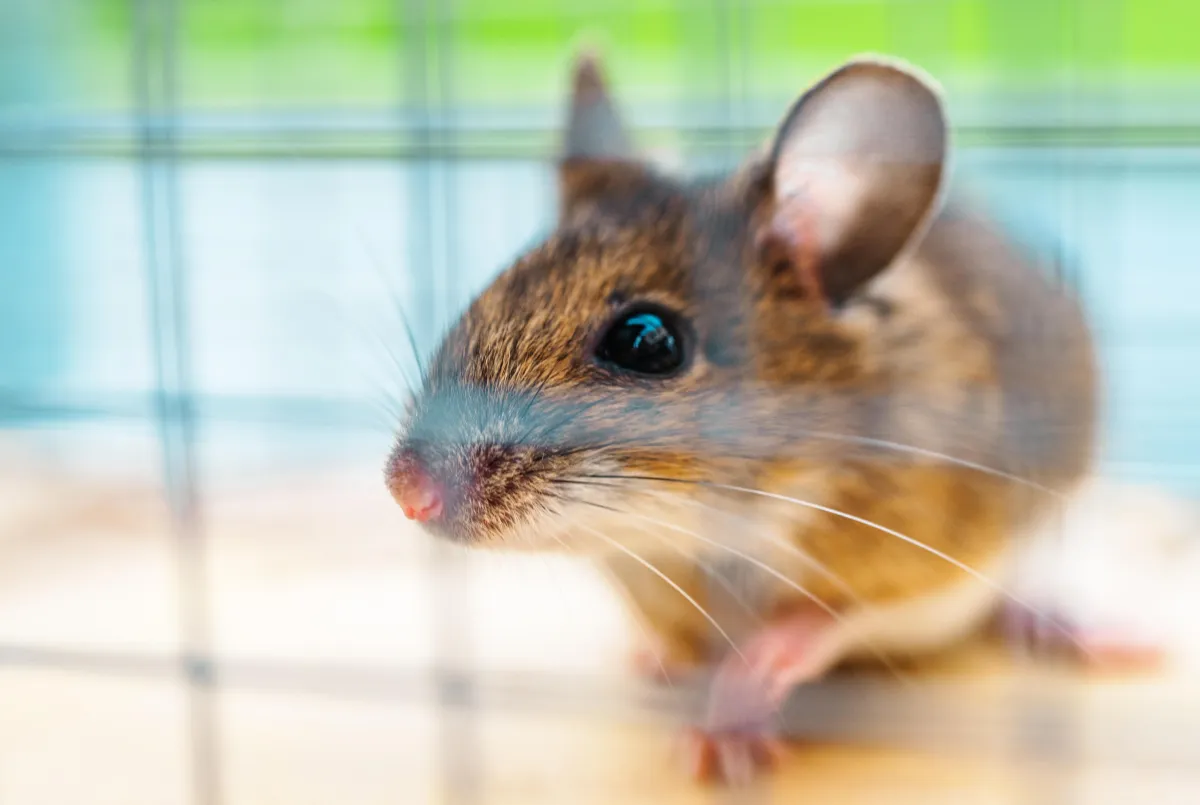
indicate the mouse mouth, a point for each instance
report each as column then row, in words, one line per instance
column 523, row 471
column 484, row 494
column 531, row 499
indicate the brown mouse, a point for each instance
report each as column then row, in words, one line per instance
column 816, row 369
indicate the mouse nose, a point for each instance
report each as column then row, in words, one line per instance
column 419, row 498
column 417, row 493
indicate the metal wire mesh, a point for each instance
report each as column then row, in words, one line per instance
column 434, row 127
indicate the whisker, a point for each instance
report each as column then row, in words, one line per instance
column 804, row 556
column 569, row 550
column 741, row 555
column 404, row 375
column 808, row 559
column 378, row 264
column 928, row 453
column 813, row 597
column 916, row 543
column 707, row 568
column 368, row 371
column 799, row 553
column 385, row 413
column 646, row 636
column 635, row 556
column 899, row 447
column 815, row 564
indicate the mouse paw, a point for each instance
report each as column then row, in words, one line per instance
column 733, row 759
column 1096, row 644
column 739, row 734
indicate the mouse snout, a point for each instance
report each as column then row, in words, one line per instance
column 467, row 493
column 420, row 499
column 418, row 494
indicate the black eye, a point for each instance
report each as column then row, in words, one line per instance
column 645, row 340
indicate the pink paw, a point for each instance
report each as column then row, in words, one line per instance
column 738, row 739
column 730, row 758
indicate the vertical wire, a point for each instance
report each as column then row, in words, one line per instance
column 461, row 746
column 723, row 16
column 447, row 87
column 731, row 48
column 432, row 203
column 415, row 103
column 1071, row 715
column 1036, row 729
column 740, row 58
column 1055, row 750
column 154, row 64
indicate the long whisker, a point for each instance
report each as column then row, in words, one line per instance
column 818, row 507
column 802, row 555
column 741, row 555
column 671, row 582
column 377, row 264
column 709, row 570
column 799, row 553
column 900, row 447
column 916, row 543
column 805, row 557
column 337, row 310
column 645, row 632
column 813, row 597
column 404, row 375
column 646, row 636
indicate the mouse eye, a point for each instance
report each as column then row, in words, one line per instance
column 645, row 340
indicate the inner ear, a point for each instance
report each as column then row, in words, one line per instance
column 598, row 159
column 856, row 170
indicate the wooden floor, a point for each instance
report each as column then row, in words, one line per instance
column 325, row 615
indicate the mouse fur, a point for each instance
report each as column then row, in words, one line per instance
column 854, row 339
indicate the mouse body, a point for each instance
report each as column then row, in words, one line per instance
column 800, row 413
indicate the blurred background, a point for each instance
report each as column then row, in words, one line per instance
column 219, row 199
column 215, row 216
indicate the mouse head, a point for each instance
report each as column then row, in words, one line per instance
column 670, row 333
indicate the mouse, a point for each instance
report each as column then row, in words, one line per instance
column 802, row 412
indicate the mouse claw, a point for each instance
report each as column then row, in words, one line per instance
column 732, row 759
column 739, row 738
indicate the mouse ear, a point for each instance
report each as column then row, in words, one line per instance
column 594, row 128
column 856, row 173
column 598, row 157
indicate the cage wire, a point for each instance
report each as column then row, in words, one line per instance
column 435, row 134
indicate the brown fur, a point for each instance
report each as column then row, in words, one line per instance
column 960, row 346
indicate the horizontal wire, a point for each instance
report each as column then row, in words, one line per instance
column 941, row 715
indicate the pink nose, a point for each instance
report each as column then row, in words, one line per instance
column 419, row 497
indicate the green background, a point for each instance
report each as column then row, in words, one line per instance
column 288, row 53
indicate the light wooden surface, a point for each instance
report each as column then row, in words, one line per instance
column 323, row 616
